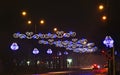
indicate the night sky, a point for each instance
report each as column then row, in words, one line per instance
column 81, row 16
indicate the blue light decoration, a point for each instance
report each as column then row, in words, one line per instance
column 14, row 46
column 50, row 41
column 108, row 41
column 22, row 36
column 49, row 51
column 66, row 35
column 73, row 34
column 31, row 35
column 66, row 53
column 35, row 51
column 75, row 44
column 65, row 43
column 116, row 52
column 59, row 53
column 16, row 35
column 36, row 36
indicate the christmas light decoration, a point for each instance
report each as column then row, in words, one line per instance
column 58, row 34
column 35, row 51
column 75, row 44
column 14, row 46
column 49, row 51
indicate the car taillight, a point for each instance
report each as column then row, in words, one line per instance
column 98, row 66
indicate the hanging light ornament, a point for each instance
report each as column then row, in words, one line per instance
column 108, row 41
column 14, row 46
column 58, row 34
column 75, row 44
column 59, row 53
column 35, row 51
column 49, row 51
column 66, row 53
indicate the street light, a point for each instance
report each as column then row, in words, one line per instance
column 24, row 13
column 29, row 22
column 69, row 61
column 101, row 7
column 109, row 42
column 55, row 29
column 42, row 21
column 104, row 18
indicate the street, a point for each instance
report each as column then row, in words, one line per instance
column 71, row 72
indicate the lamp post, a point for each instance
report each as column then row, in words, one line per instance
column 109, row 42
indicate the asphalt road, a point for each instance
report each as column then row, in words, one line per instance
column 72, row 73
column 68, row 72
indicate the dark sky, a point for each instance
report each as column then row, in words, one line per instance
column 81, row 16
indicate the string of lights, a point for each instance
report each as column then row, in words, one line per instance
column 77, row 45
column 31, row 35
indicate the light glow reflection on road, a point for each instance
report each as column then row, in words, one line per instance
column 70, row 73
column 53, row 73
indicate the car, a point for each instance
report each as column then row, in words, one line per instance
column 106, row 66
column 95, row 66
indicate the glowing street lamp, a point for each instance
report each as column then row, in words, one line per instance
column 29, row 22
column 24, row 13
column 101, row 7
column 42, row 21
column 28, row 63
column 69, row 61
column 55, row 29
column 109, row 42
column 104, row 18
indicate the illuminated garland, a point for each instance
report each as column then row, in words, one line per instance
column 77, row 45
column 31, row 35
